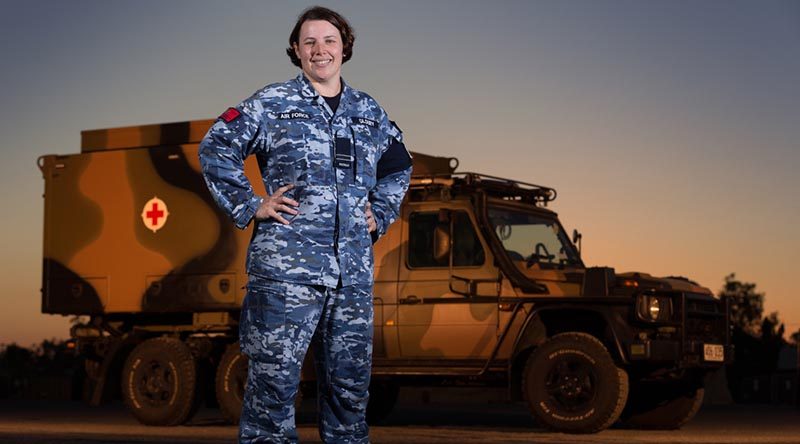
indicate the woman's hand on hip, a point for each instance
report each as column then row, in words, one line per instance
column 277, row 203
column 371, row 224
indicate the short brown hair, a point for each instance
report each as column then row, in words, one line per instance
column 335, row 19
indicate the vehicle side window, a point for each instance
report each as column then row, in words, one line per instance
column 467, row 249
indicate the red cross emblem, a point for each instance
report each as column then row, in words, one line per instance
column 154, row 214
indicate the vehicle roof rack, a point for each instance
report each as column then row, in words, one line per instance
column 492, row 185
column 425, row 164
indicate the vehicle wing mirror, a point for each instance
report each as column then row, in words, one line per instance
column 576, row 239
column 486, row 287
column 461, row 286
column 474, row 287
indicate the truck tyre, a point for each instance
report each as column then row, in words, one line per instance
column 230, row 382
column 661, row 407
column 572, row 384
column 158, row 382
column 382, row 398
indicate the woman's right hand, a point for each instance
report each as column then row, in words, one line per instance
column 272, row 205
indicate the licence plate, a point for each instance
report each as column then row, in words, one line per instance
column 713, row 352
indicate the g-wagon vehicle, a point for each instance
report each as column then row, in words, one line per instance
column 477, row 284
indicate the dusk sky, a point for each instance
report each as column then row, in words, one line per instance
column 671, row 129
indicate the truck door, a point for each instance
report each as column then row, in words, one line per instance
column 432, row 320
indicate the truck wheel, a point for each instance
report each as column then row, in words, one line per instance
column 158, row 382
column 382, row 398
column 230, row 382
column 572, row 384
column 661, row 407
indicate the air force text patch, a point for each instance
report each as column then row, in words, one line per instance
column 292, row 115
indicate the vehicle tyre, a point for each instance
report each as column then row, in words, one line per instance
column 158, row 382
column 230, row 382
column 572, row 384
column 382, row 398
column 661, row 406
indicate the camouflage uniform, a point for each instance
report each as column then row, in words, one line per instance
column 316, row 273
column 277, row 325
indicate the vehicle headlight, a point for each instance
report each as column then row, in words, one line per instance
column 653, row 307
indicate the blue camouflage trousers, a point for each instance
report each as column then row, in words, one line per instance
column 279, row 320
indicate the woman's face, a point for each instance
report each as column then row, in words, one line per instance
column 319, row 49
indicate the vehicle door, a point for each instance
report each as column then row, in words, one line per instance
column 442, row 251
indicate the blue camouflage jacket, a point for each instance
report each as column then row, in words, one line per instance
column 337, row 163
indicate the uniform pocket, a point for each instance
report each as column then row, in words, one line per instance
column 367, row 145
column 297, row 154
column 282, row 133
column 263, row 319
column 357, row 199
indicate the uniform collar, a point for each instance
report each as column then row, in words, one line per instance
column 308, row 90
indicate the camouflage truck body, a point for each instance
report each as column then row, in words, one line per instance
column 102, row 252
column 477, row 283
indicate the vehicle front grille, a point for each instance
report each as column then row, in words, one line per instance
column 705, row 319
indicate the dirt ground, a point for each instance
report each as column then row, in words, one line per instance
column 422, row 416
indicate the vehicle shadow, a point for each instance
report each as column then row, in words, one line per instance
column 476, row 408
column 459, row 407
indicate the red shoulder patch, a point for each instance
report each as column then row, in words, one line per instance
column 230, row 115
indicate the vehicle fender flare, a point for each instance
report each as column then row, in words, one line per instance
column 535, row 331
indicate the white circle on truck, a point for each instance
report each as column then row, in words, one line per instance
column 154, row 214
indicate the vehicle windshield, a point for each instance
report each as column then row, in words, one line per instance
column 532, row 241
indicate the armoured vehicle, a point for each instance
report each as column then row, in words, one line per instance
column 477, row 284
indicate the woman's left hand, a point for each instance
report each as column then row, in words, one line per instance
column 371, row 224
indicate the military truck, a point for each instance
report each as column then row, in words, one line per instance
column 477, row 284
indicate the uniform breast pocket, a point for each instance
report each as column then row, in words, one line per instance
column 288, row 134
column 296, row 152
column 368, row 142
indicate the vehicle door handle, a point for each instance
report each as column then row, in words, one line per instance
column 411, row 299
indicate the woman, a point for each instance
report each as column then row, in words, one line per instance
column 335, row 170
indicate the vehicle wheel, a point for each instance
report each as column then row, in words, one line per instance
column 382, row 398
column 572, row 384
column 661, row 406
column 231, row 380
column 158, row 382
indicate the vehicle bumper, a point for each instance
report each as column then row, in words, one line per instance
column 692, row 354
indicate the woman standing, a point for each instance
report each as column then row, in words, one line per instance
column 335, row 170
